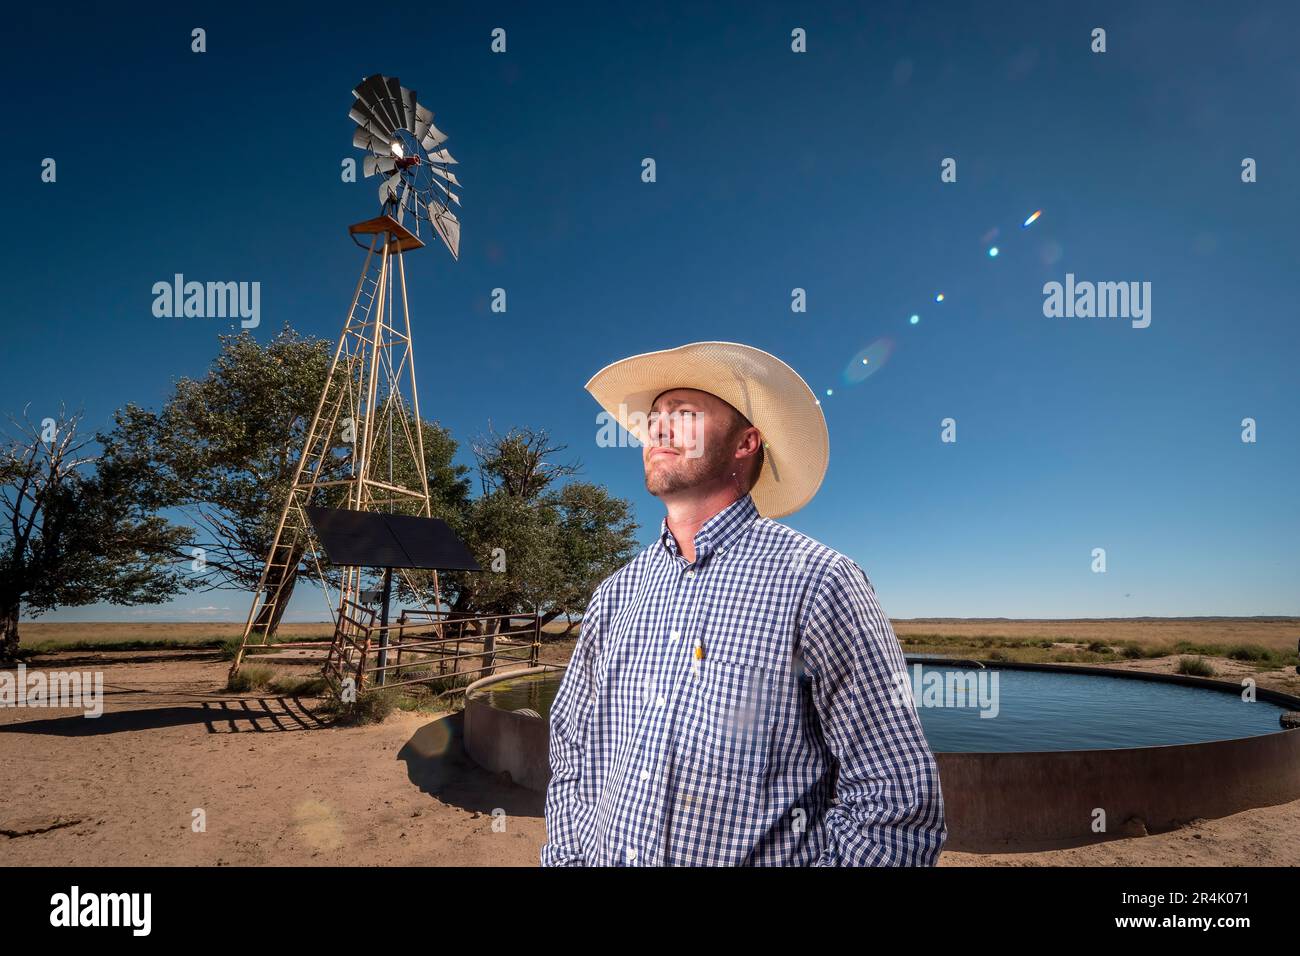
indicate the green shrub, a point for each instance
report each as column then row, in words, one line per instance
column 1250, row 652
column 299, row 686
column 1195, row 667
column 370, row 707
column 250, row 677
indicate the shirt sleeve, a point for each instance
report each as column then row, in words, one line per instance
column 890, row 805
column 570, row 712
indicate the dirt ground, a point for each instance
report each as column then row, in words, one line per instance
column 275, row 786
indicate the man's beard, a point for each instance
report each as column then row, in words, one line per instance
column 688, row 473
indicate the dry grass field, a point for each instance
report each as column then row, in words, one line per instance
column 42, row 634
column 1274, row 633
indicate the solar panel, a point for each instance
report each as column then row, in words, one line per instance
column 372, row 539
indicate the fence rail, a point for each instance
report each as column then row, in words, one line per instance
column 375, row 656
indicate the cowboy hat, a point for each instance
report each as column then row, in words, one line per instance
column 796, row 444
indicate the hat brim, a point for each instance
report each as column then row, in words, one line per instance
column 796, row 449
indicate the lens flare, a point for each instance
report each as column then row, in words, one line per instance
column 914, row 319
column 993, row 252
column 1030, row 221
column 868, row 361
column 939, row 297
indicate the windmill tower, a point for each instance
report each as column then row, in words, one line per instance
column 365, row 443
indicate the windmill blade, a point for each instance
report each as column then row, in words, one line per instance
column 442, row 156
column 450, row 195
column 422, row 120
column 388, row 188
column 392, row 110
column 382, row 164
column 365, row 139
column 434, row 137
column 401, row 206
column 373, row 94
column 364, row 112
column 408, row 107
column 376, row 132
column 446, row 174
column 370, row 92
column 395, row 99
column 365, row 89
column 448, row 227
column 366, row 118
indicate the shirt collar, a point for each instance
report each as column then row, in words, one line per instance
column 719, row 533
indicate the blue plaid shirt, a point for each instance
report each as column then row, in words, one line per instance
column 662, row 758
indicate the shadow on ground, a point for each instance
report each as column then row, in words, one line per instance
column 241, row 715
column 70, row 660
column 437, row 763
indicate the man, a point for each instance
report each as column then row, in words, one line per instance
column 737, row 676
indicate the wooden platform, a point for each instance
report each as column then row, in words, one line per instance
column 402, row 238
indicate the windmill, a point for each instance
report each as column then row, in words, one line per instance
column 365, row 445
column 403, row 144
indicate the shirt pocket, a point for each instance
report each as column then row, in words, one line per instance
column 727, row 726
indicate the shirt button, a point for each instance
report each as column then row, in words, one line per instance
column 645, row 774
column 631, row 853
column 662, row 700
column 673, row 635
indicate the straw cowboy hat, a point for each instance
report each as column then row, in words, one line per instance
column 796, row 444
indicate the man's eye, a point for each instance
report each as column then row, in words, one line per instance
column 676, row 417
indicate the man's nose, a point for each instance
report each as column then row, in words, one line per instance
column 660, row 427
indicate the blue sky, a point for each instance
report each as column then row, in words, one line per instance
column 775, row 170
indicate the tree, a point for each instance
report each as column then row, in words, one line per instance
column 224, row 449
column 71, row 535
column 543, row 547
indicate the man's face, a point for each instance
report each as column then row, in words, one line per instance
column 691, row 444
